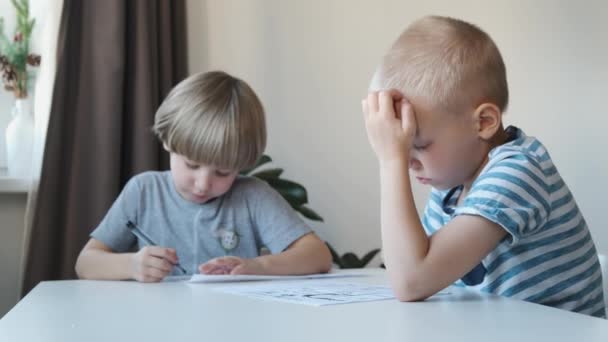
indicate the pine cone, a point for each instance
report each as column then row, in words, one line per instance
column 33, row 59
column 9, row 74
column 3, row 62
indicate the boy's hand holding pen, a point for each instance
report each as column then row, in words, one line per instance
column 152, row 263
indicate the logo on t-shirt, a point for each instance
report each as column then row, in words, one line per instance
column 228, row 238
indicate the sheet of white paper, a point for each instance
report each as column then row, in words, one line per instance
column 220, row 278
column 313, row 293
column 177, row 278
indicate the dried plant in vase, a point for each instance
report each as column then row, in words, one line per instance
column 15, row 56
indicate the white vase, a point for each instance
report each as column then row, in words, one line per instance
column 5, row 118
column 20, row 140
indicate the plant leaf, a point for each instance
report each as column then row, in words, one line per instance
column 268, row 174
column 309, row 213
column 263, row 160
column 294, row 202
column 351, row 260
column 293, row 192
column 334, row 256
column 369, row 256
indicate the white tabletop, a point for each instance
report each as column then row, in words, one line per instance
column 81, row 310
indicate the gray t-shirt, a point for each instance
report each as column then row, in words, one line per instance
column 250, row 215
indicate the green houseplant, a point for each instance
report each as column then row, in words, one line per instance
column 296, row 195
column 15, row 56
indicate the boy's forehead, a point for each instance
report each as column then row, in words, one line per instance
column 421, row 131
column 427, row 122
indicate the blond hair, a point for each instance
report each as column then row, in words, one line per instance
column 215, row 119
column 445, row 63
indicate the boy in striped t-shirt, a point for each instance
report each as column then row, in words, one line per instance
column 500, row 218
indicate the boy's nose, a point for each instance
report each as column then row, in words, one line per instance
column 415, row 164
column 202, row 184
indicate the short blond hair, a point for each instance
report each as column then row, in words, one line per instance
column 215, row 119
column 445, row 63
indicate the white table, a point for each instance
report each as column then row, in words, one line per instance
column 129, row 311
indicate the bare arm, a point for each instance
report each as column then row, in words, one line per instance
column 98, row 261
column 419, row 266
column 306, row 255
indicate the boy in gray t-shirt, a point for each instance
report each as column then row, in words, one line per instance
column 201, row 214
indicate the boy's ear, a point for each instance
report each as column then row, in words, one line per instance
column 488, row 119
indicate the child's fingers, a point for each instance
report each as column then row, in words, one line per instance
column 389, row 103
column 364, row 108
column 397, row 104
column 240, row 269
column 372, row 102
column 220, row 265
column 207, row 267
column 162, row 252
column 154, row 275
column 228, row 261
column 213, row 269
column 158, row 263
column 221, row 270
column 386, row 104
column 150, row 275
column 408, row 119
column 395, row 94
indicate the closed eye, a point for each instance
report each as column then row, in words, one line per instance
column 422, row 147
column 223, row 173
column 191, row 166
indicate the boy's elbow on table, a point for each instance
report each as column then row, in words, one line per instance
column 81, row 271
column 315, row 252
column 78, row 271
column 324, row 257
column 409, row 290
column 408, row 296
column 327, row 262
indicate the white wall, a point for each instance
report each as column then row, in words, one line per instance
column 311, row 61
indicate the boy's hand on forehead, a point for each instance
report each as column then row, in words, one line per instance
column 390, row 123
column 231, row 265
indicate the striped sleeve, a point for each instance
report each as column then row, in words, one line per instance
column 514, row 193
column 432, row 219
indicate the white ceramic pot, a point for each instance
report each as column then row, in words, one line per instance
column 20, row 140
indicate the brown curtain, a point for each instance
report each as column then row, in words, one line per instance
column 116, row 61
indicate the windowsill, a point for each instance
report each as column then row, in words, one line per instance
column 11, row 185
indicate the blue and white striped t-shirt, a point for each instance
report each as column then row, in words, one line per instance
column 548, row 256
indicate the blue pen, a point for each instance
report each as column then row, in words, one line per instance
column 145, row 238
